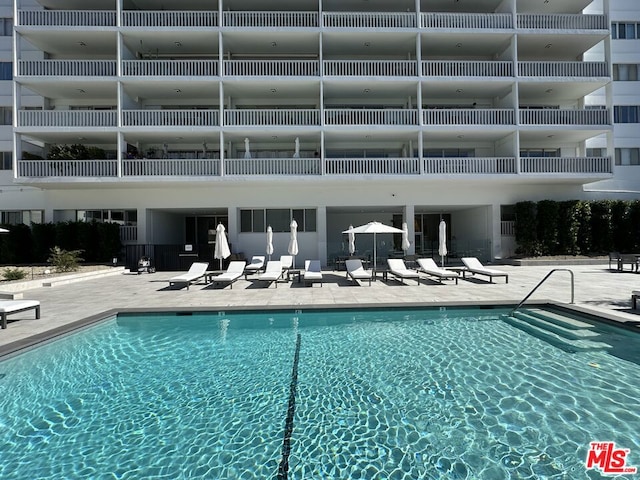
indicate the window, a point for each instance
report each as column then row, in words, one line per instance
column 6, row 71
column 626, row 114
column 625, row 72
column 539, row 152
column 6, row 27
column 6, row 116
column 21, row 216
column 596, row 152
column 627, row 156
column 256, row 221
column 6, row 160
column 625, row 30
column 121, row 217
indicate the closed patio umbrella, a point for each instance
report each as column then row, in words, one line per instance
column 222, row 246
column 405, row 237
column 352, row 240
column 293, row 241
column 269, row 241
column 375, row 228
column 442, row 245
column 247, row 151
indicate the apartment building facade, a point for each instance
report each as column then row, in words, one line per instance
column 330, row 112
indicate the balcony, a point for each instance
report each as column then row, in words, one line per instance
column 372, row 166
column 67, row 18
column 366, row 20
column 476, row 21
column 371, row 68
column 468, row 116
column 565, row 117
column 173, row 68
column 272, row 166
column 563, row 69
column 67, row 68
column 150, row 167
column 588, row 165
column 535, row 21
column 466, row 68
column 265, row 19
column 170, row 118
column 371, row 116
column 272, row 117
column 174, row 18
column 466, row 166
column 67, row 118
column 67, row 168
column 274, row 68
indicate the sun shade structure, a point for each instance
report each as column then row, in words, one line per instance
column 293, row 241
column 352, row 240
column 222, row 246
column 374, row 228
column 405, row 238
column 442, row 245
column 269, row 242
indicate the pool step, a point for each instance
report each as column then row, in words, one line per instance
column 567, row 344
column 557, row 325
column 565, row 320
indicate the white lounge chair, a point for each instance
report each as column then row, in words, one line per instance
column 234, row 271
column 428, row 266
column 312, row 272
column 256, row 265
column 195, row 273
column 8, row 307
column 474, row 266
column 272, row 273
column 356, row 271
column 287, row 261
column 398, row 269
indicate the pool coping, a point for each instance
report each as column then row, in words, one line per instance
column 19, row 346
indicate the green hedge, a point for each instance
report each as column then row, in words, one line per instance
column 577, row 227
column 99, row 242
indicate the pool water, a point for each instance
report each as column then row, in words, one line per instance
column 370, row 394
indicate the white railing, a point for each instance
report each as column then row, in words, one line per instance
column 475, row 165
column 67, row 168
column 468, row 116
column 272, row 166
column 372, row 166
column 508, row 228
column 261, row 19
column 178, row 68
column 566, row 165
column 467, row 68
column 188, row 118
column 564, row 117
column 370, row 116
column 466, row 20
column 371, row 68
column 80, row 68
column 169, row 18
column 298, row 68
column 369, row 20
column 272, row 117
column 67, row 18
column 170, row 167
column 562, row 69
column 67, row 118
column 128, row 233
column 562, row 21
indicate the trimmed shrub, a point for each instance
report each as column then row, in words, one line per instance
column 601, row 227
column 548, row 212
column 526, row 229
column 14, row 274
column 568, row 227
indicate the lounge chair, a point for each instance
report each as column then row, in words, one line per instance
column 15, row 306
column 474, row 266
column 398, row 269
column 356, row 271
column 195, row 273
column 272, row 273
column 256, row 265
column 628, row 259
column 287, row 261
column 234, row 271
column 429, row 267
column 635, row 294
column 312, row 272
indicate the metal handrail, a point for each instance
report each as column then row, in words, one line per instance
column 541, row 282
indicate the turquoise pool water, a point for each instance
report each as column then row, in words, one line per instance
column 379, row 394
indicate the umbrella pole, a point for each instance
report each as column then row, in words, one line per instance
column 375, row 256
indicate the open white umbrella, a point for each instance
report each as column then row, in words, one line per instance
column 247, row 152
column 222, row 246
column 269, row 241
column 352, row 240
column 375, row 228
column 293, row 241
column 442, row 246
column 405, row 237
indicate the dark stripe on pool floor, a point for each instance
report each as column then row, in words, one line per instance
column 283, row 469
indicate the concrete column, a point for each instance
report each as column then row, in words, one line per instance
column 493, row 220
column 143, row 237
column 233, row 229
column 408, row 215
column 321, row 226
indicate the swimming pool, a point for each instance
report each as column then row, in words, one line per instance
column 376, row 394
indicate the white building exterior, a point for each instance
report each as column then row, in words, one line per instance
column 332, row 112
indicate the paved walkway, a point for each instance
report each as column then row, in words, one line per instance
column 596, row 288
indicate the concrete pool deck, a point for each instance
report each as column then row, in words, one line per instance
column 597, row 288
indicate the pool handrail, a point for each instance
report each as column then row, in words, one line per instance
column 541, row 282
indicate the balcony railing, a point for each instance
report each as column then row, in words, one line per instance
column 67, row 118
column 272, row 117
column 67, row 18
column 467, row 20
column 67, row 168
column 369, row 20
column 562, row 69
column 67, row 68
column 562, row 21
column 466, row 68
column 278, row 68
column 372, row 166
column 591, row 165
column 272, row 166
column 371, row 68
column 169, row 18
column 165, row 118
column 475, row 165
column 565, row 117
column 173, row 167
column 177, row 68
column 270, row 19
column 370, row 116
column 468, row 116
